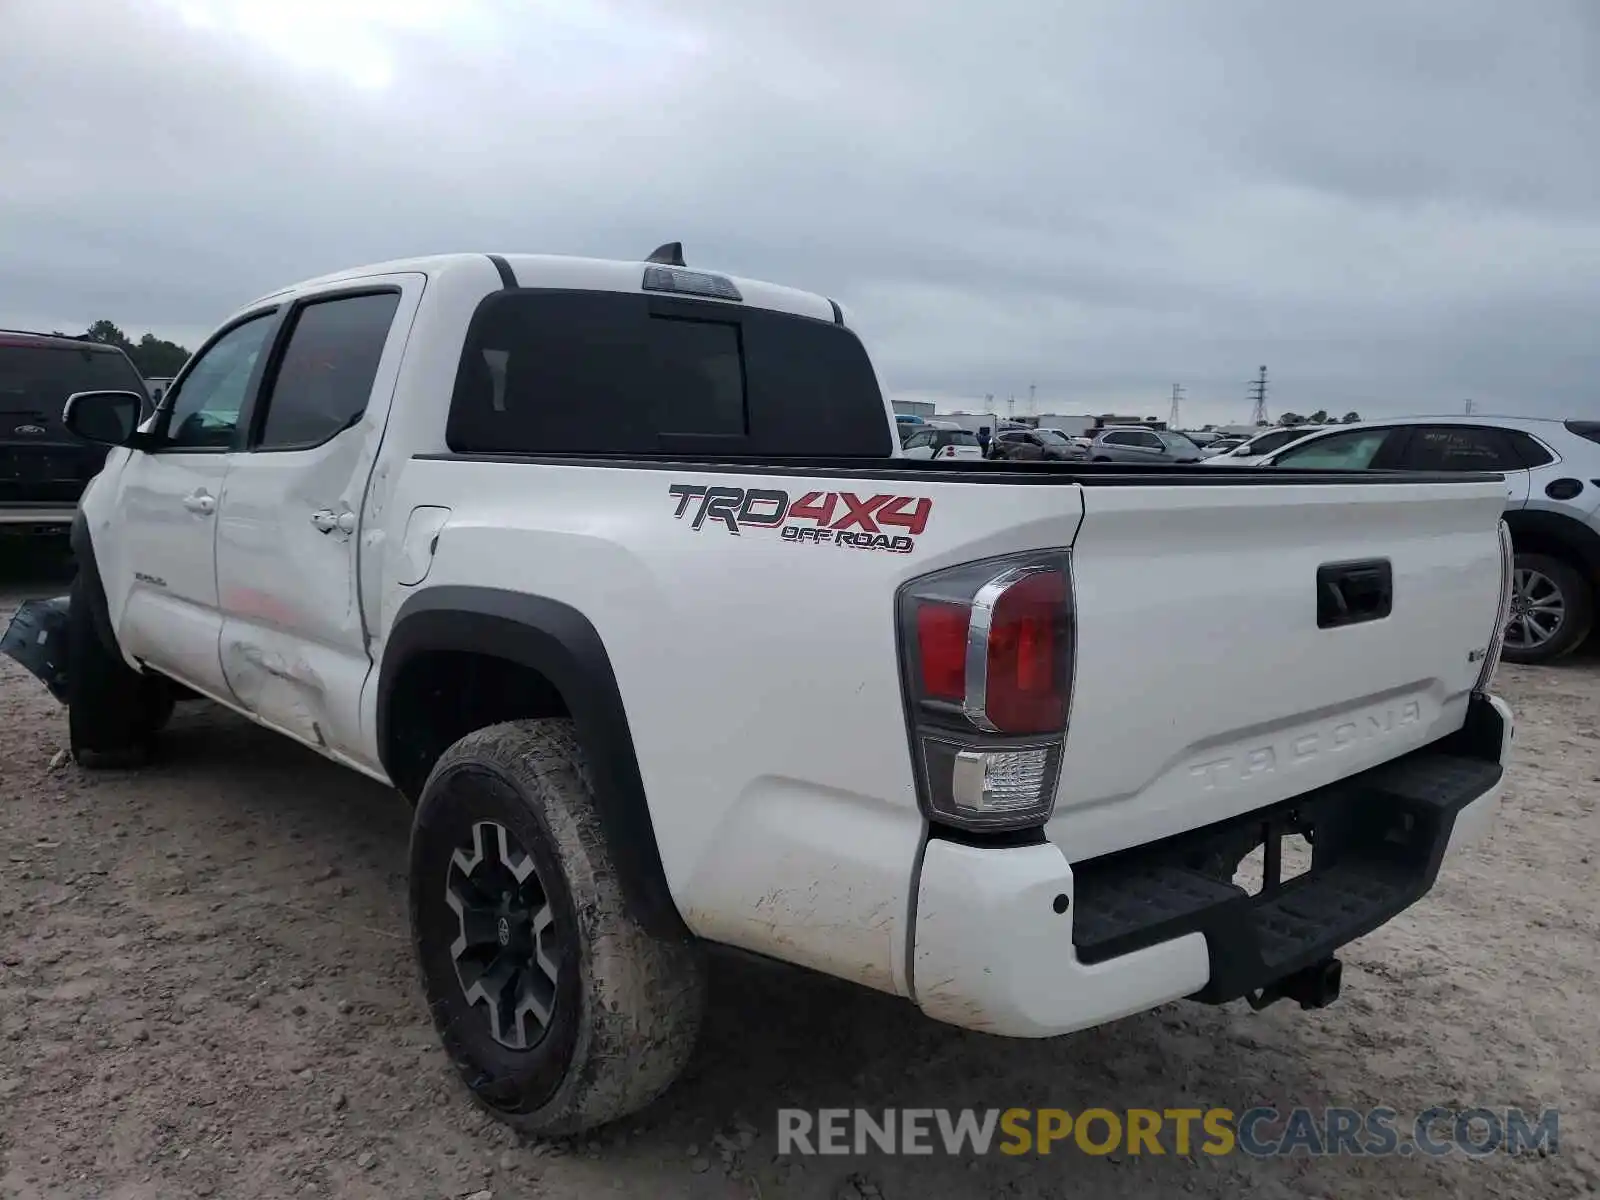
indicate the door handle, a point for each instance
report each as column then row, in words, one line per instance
column 1350, row 593
column 200, row 502
column 327, row 521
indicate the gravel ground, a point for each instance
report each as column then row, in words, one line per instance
column 206, row 990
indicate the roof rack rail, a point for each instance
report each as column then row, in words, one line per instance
column 71, row 337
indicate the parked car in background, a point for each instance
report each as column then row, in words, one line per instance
column 933, row 442
column 1136, row 444
column 1552, row 474
column 1221, row 446
column 1036, row 444
column 43, row 467
column 1251, row 452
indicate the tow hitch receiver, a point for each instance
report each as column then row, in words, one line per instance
column 37, row 639
column 1316, row 986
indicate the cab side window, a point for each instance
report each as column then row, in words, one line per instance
column 204, row 407
column 325, row 377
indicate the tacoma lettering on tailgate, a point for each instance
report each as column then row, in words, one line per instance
column 815, row 519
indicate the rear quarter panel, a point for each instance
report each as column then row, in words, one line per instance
column 759, row 675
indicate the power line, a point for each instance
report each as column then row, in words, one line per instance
column 1258, row 393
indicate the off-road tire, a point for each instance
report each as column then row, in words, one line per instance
column 1577, row 595
column 113, row 711
column 627, row 1004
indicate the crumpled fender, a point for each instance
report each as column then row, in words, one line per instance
column 37, row 639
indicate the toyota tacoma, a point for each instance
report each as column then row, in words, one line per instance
column 614, row 570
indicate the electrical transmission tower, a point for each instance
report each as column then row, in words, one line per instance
column 1258, row 394
column 1177, row 396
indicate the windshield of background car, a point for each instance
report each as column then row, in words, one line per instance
column 1176, row 441
column 1051, row 438
column 957, row 437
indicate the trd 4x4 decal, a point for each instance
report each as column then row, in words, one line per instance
column 881, row 522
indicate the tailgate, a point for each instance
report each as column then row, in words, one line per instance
column 1205, row 686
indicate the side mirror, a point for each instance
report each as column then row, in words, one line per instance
column 109, row 418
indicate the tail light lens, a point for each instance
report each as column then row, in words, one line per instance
column 1497, row 643
column 988, row 657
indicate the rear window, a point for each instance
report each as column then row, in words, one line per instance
column 1585, row 429
column 35, row 381
column 956, row 437
column 554, row 372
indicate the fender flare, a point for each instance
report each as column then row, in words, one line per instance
column 89, row 573
column 560, row 643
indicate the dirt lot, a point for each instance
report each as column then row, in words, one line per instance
column 206, row 990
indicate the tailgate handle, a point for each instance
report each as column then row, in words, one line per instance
column 1351, row 592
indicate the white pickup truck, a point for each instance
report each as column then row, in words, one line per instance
column 613, row 570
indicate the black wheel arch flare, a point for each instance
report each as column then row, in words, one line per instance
column 561, row 644
column 83, row 559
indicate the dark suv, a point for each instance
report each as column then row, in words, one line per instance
column 43, row 468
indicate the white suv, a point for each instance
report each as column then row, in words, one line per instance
column 1552, row 474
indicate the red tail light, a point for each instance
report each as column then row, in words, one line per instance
column 989, row 651
column 942, row 650
column 1025, row 690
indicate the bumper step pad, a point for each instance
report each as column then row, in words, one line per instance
column 1377, row 840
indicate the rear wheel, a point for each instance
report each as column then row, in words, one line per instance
column 113, row 711
column 559, row 1009
column 1552, row 610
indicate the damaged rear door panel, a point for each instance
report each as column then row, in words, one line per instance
column 294, row 642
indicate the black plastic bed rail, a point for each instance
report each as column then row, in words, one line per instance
column 1376, row 839
column 953, row 470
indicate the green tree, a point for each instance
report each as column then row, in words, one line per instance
column 153, row 357
column 158, row 358
column 1350, row 418
column 105, row 331
column 1291, row 419
column 1320, row 417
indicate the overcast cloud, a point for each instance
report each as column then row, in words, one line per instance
column 1395, row 204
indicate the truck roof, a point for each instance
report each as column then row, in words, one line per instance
column 578, row 274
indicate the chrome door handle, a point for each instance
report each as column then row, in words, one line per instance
column 328, row 521
column 200, row 502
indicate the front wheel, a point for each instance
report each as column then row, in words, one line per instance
column 1552, row 610
column 560, row 1010
column 113, row 711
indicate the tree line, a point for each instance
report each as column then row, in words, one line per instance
column 153, row 357
column 1320, row 417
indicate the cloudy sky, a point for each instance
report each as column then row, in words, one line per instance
column 1394, row 204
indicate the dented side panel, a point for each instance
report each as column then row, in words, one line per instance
column 299, row 542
